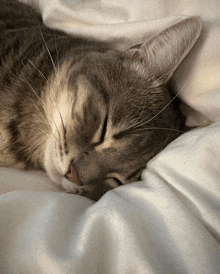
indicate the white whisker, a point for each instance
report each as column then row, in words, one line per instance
column 164, row 143
column 140, row 125
column 57, row 57
column 37, row 96
column 52, row 61
column 156, row 128
column 39, row 71
column 48, row 96
column 43, row 106
column 136, row 120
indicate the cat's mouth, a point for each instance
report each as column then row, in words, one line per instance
column 95, row 189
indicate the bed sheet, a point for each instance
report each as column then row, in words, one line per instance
column 167, row 223
column 125, row 23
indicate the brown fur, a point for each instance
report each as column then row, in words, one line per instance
column 78, row 109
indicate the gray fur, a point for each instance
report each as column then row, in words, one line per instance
column 70, row 102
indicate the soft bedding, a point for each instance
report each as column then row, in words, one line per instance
column 169, row 222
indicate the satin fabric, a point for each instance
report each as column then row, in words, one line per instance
column 167, row 223
column 129, row 22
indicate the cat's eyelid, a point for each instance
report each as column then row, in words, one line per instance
column 117, row 177
column 103, row 132
column 113, row 182
column 104, row 128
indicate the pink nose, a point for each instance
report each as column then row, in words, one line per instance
column 72, row 176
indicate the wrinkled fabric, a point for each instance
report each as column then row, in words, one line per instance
column 129, row 22
column 167, row 223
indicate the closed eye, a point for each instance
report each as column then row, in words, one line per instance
column 104, row 128
column 113, row 182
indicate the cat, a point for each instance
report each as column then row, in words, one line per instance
column 80, row 110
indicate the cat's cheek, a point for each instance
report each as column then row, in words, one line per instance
column 49, row 164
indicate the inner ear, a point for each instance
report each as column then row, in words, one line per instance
column 160, row 56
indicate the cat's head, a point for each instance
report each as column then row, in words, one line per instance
column 114, row 112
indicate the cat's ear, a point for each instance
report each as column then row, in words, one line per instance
column 160, row 56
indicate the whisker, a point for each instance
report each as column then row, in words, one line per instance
column 139, row 125
column 37, row 96
column 157, row 128
column 39, row 71
column 39, row 99
column 43, row 106
column 57, row 57
column 46, row 122
column 164, row 143
column 48, row 96
column 136, row 120
column 52, row 61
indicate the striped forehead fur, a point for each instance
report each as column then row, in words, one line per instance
column 72, row 106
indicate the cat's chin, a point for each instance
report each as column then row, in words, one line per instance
column 60, row 180
column 71, row 187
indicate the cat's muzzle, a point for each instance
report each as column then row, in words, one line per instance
column 72, row 176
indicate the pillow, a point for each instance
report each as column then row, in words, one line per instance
column 125, row 23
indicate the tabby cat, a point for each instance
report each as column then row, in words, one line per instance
column 78, row 109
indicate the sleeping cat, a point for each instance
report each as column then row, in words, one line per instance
column 78, row 109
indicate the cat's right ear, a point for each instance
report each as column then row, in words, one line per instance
column 160, row 56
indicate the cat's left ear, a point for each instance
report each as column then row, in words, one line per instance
column 160, row 56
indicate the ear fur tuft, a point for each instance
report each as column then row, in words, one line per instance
column 161, row 55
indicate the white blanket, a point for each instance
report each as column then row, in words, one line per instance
column 167, row 223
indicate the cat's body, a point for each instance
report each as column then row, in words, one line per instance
column 69, row 104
